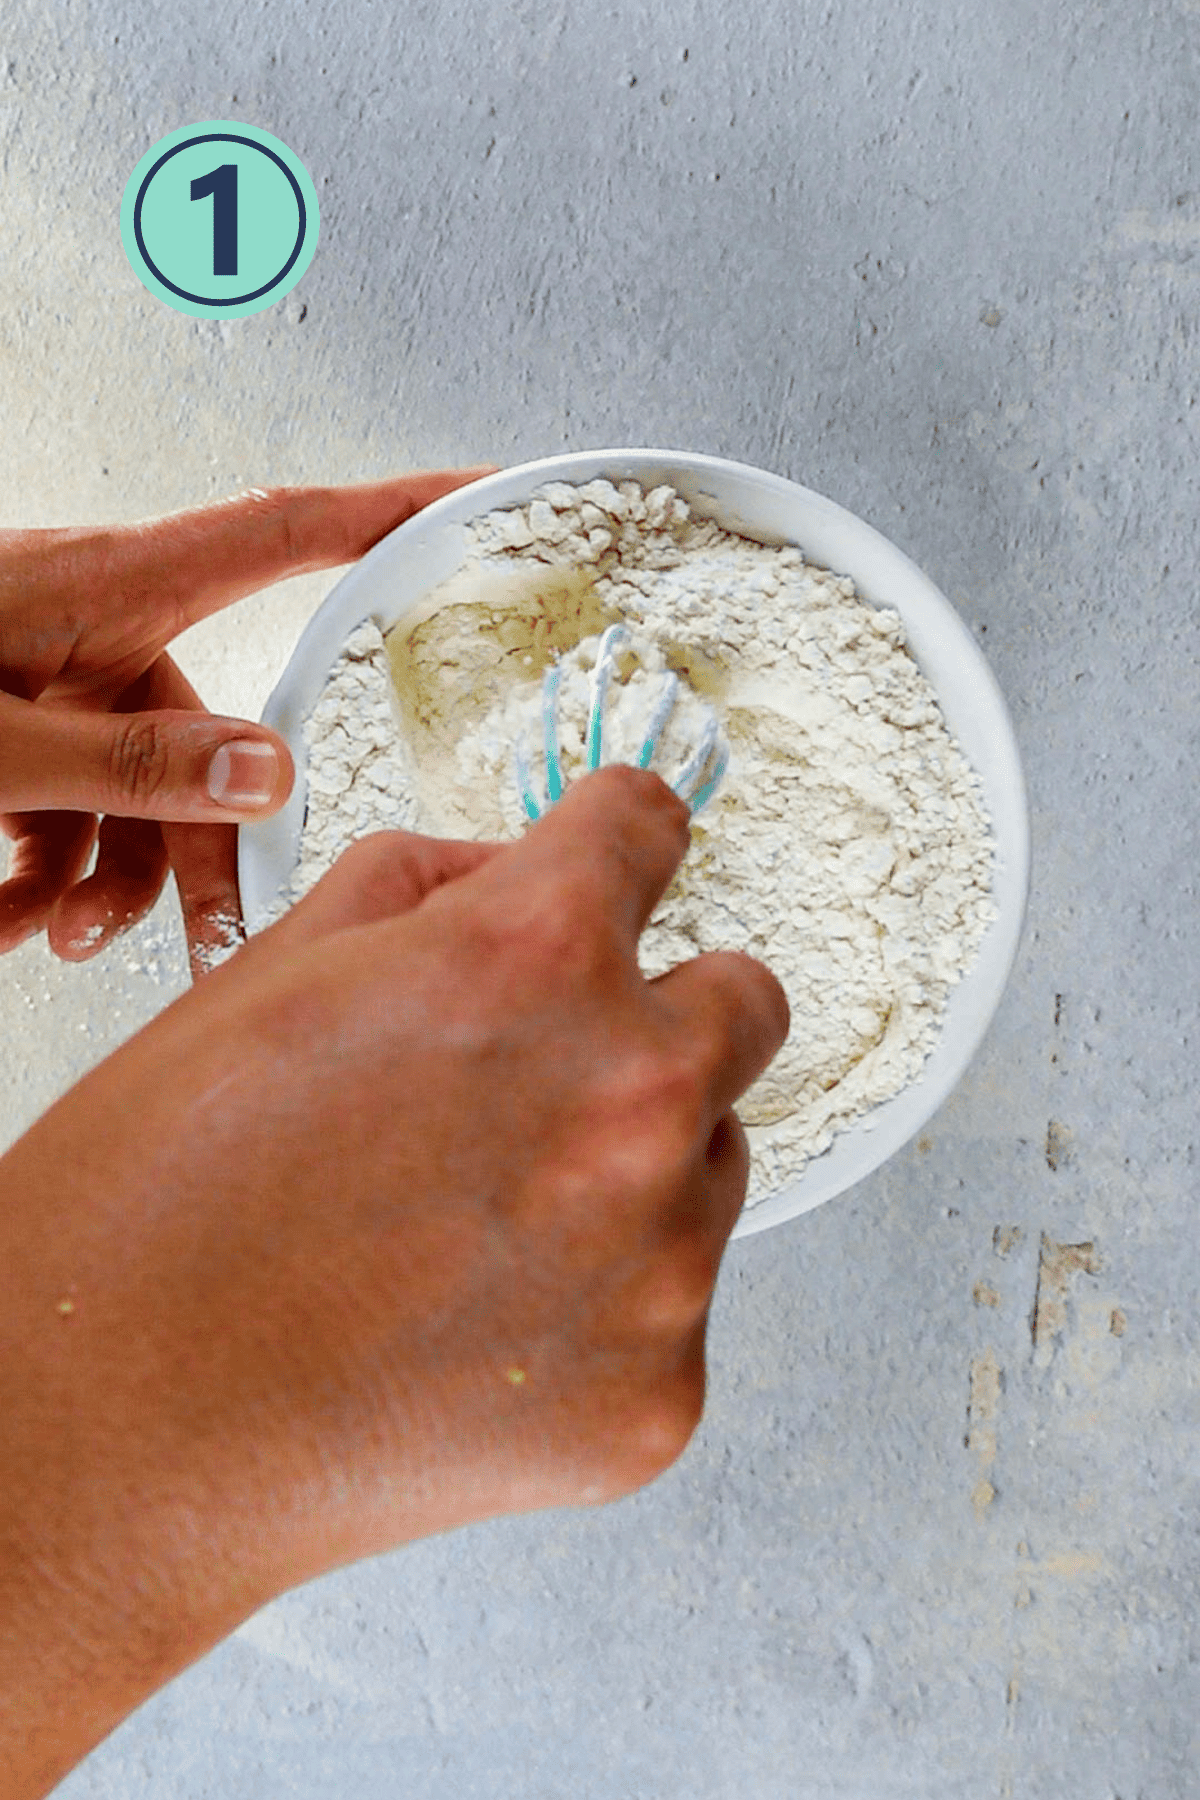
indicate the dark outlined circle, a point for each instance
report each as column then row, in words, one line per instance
column 216, row 137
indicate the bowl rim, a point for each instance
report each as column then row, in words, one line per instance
column 882, row 573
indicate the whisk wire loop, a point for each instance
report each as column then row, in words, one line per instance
column 687, row 783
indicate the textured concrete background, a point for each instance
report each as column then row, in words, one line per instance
column 937, row 1536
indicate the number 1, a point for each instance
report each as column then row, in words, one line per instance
column 222, row 185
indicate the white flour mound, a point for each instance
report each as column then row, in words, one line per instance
column 847, row 846
column 360, row 776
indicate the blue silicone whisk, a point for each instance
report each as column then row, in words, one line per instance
column 688, row 783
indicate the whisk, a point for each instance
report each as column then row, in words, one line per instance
column 689, row 783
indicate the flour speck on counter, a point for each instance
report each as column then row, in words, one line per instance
column 847, row 846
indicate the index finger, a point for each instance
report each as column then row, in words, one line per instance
column 186, row 565
column 213, row 555
column 203, row 858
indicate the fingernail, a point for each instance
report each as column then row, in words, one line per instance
column 243, row 773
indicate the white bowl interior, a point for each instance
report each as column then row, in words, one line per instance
column 396, row 575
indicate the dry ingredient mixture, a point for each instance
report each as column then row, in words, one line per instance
column 847, row 846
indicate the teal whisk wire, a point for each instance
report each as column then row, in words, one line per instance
column 705, row 793
column 667, row 694
column 550, row 683
column 554, row 784
column 601, row 675
column 689, row 776
column 524, row 783
column 687, row 783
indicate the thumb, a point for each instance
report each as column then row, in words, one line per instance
column 169, row 764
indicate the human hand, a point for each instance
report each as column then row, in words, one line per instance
column 409, row 1216
column 96, row 719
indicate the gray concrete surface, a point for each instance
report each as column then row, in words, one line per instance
column 937, row 1537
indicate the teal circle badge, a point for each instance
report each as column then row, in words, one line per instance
column 219, row 220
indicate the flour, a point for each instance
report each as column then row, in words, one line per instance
column 847, row 846
column 360, row 776
column 226, row 936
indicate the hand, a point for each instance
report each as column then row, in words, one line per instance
column 95, row 718
column 408, row 1216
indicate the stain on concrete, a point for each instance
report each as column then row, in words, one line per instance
column 983, row 1401
column 1058, row 1266
column 1059, row 1144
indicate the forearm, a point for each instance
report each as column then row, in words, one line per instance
column 67, row 1677
column 110, row 1577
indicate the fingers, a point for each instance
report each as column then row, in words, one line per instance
column 131, row 866
column 380, row 877
column 49, row 854
column 730, row 1017
column 203, row 858
column 609, row 848
column 132, row 860
column 133, row 856
column 190, row 564
column 165, row 764
column 204, row 862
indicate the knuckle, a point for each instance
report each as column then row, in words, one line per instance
column 663, row 1428
column 673, row 1086
column 674, row 1293
column 650, row 1109
column 283, row 508
column 557, row 918
column 288, row 509
column 139, row 759
column 642, row 1152
column 561, row 926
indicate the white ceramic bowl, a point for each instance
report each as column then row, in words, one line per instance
column 393, row 577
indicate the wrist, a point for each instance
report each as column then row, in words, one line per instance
column 116, row 1570
column 72, row 1664
column 90, row 1626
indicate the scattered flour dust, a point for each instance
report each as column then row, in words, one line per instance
column 847, row 847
